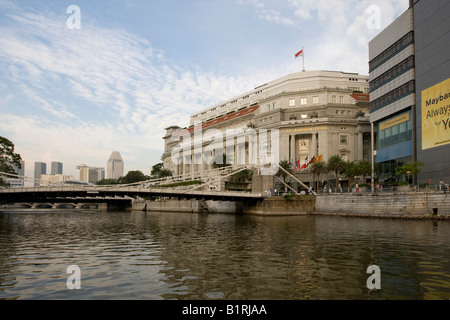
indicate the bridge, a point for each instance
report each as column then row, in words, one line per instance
column 117, row 196
column 123, row 195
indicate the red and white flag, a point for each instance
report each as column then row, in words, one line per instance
column 298, row 54
column 305, row 165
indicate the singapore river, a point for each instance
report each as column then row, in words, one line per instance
column 160, row 256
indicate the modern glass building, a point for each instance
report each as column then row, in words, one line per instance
column 115, row 166
column 56, row 168
column 392, row 95
column 40, row 168
column 409, row 72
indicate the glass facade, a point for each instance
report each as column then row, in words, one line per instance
column 395, row 130
column 394, row 144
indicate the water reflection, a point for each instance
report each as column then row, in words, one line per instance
column 136, row 255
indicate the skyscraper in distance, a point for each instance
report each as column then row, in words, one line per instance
column 56, row 168
column 40, row 168
column 115, row 166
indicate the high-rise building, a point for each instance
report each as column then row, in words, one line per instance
column 410, row 91
column 91, row 174
column 392, row 94
column 432, row 44
column 40, row 168
column 115, row 166
column 56, row 168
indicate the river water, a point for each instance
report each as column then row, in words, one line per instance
column 155, row 256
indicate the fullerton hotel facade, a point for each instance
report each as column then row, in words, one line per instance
column 315, row 114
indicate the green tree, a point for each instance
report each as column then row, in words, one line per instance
column 319, row 168
column 282, row 173
column 107, row 182
column 242, row 177
column 409, row 169
column 156, row 169
column 364, row 169
column 336, row 165
column 159, row 171
column 351, row 169
column 133, row 177
column 8, row 158
column 163, row 173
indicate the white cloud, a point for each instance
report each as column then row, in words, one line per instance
column 264, row 13
column 90, row 91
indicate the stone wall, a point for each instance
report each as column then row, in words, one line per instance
column 299, row 205
column 191, row 206
column 389, row 205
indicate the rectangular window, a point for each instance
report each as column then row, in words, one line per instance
column 343, row 139
column 341, row 99
column 292, row 102
column 303, row 101
column 333, row 99
column 315, row 100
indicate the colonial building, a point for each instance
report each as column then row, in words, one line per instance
column 304, row 115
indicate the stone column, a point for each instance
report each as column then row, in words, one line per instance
column 284, row 146
column 293, row 149
column 323, row 145
column 360, row 148
column 314, row 145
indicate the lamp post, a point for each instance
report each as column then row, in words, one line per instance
column 408, row 173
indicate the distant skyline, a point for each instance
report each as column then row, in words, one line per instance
column 136, row 67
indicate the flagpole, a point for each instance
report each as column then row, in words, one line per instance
column 303, row 49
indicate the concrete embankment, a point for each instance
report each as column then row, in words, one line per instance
column 400, row 205
column 299, row 205
column 393, row 205
column 190, row 206
column 270, row 206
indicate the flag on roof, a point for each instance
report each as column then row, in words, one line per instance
column 298, row 54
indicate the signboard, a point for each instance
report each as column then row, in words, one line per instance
column 394, row 121
column 436, row 115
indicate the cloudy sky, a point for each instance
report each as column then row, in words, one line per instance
column 74, row 90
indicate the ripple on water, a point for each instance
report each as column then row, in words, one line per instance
column 125, row 255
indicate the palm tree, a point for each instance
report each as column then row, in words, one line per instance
column 318, row 168
column 337, row 165
column 364, row 169
column 282, row 173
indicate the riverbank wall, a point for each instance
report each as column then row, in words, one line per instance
column 298, row 205
column 189, row 206
column 408, row 204
column 390, row 205
column 270, row 206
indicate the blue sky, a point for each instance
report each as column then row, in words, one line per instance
column 136, row 67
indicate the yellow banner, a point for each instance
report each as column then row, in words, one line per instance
column 394, row 121
column 436, row 115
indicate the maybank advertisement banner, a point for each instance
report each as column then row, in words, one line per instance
column 436, row 115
